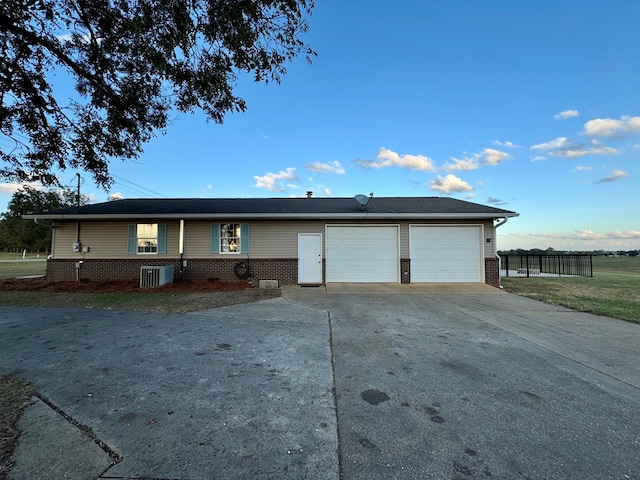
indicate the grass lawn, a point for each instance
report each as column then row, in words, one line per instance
column 614, row 290
column 12, row 265
column 18, row 256
column 26, row 268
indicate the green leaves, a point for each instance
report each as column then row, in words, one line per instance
column 132, row 62
column 17, row 233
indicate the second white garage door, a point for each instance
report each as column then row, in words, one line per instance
column 449, row 253
column 363, row 254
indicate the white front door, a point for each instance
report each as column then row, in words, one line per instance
column 310, row 258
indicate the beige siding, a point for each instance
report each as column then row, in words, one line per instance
column 104, row 239
column 280, row 240
column 197, row 239
column 268, row 239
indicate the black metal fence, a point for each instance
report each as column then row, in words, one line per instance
column 547, row 266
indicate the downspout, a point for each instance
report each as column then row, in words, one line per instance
column 181, row 248
column 42, row 223
column 37, row 221
column 495, row 250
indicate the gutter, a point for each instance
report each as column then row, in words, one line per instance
column 270, row 216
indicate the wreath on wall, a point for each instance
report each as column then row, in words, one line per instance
column 242, row 270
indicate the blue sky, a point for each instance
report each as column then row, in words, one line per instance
column 528, row 106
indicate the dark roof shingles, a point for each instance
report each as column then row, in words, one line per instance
column 263, row 206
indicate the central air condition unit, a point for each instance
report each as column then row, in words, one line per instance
column 156, row 276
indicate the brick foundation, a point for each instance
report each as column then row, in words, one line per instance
column 405, row 270
column 284, row 270
column 492, row 272
column 222, row 269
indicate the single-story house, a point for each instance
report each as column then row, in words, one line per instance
column 291, row 240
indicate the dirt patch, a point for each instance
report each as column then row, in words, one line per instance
column 178, row 297
column 123, row 286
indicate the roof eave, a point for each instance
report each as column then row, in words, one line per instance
column 276, row 216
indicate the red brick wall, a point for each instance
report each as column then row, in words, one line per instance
column 283, row 270
column 492, row 272
column 405, row 270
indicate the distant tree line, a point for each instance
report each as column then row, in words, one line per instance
column 552, row 251
column 18, row 234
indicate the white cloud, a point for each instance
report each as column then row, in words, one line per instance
column 495, row 201
column 115, row 196
column 494, row 157
column 449, row 184
column 506, row 144
column 582, row 168
column 461, row 164
column 589, row 235
column 331, row 167
column 559, row 142
column 563, row 147
column 622, row 235
column 538, row 158
column 389, row 158
column 11, row 188
column 327, row 192
column 273, row 181
column 566, row 114
column 576, row 235
column 92, row 198
column 616, row 175
column 609, row 127
column 487, row 157
column 209, row 187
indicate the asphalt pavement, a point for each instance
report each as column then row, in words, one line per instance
column 338, row 383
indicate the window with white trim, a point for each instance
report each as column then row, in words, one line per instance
column 230, row 238
column 147, row 237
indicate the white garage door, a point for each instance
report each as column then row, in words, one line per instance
column 446, row 253
column 364, row 254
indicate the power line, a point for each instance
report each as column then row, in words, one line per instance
column 138, row 186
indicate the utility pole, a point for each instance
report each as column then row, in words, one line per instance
column 78, row 195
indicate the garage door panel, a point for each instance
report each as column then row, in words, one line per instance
column 446, row 253
column 364, row 254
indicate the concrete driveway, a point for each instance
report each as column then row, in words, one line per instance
column 422, row 383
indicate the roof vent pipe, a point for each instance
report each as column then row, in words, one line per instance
column 309, row 193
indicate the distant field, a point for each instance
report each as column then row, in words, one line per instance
column 616, row 265
column 12, row 265
column 614, row 290
column 18, row 256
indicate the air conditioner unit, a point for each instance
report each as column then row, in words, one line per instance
column 155, row 276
